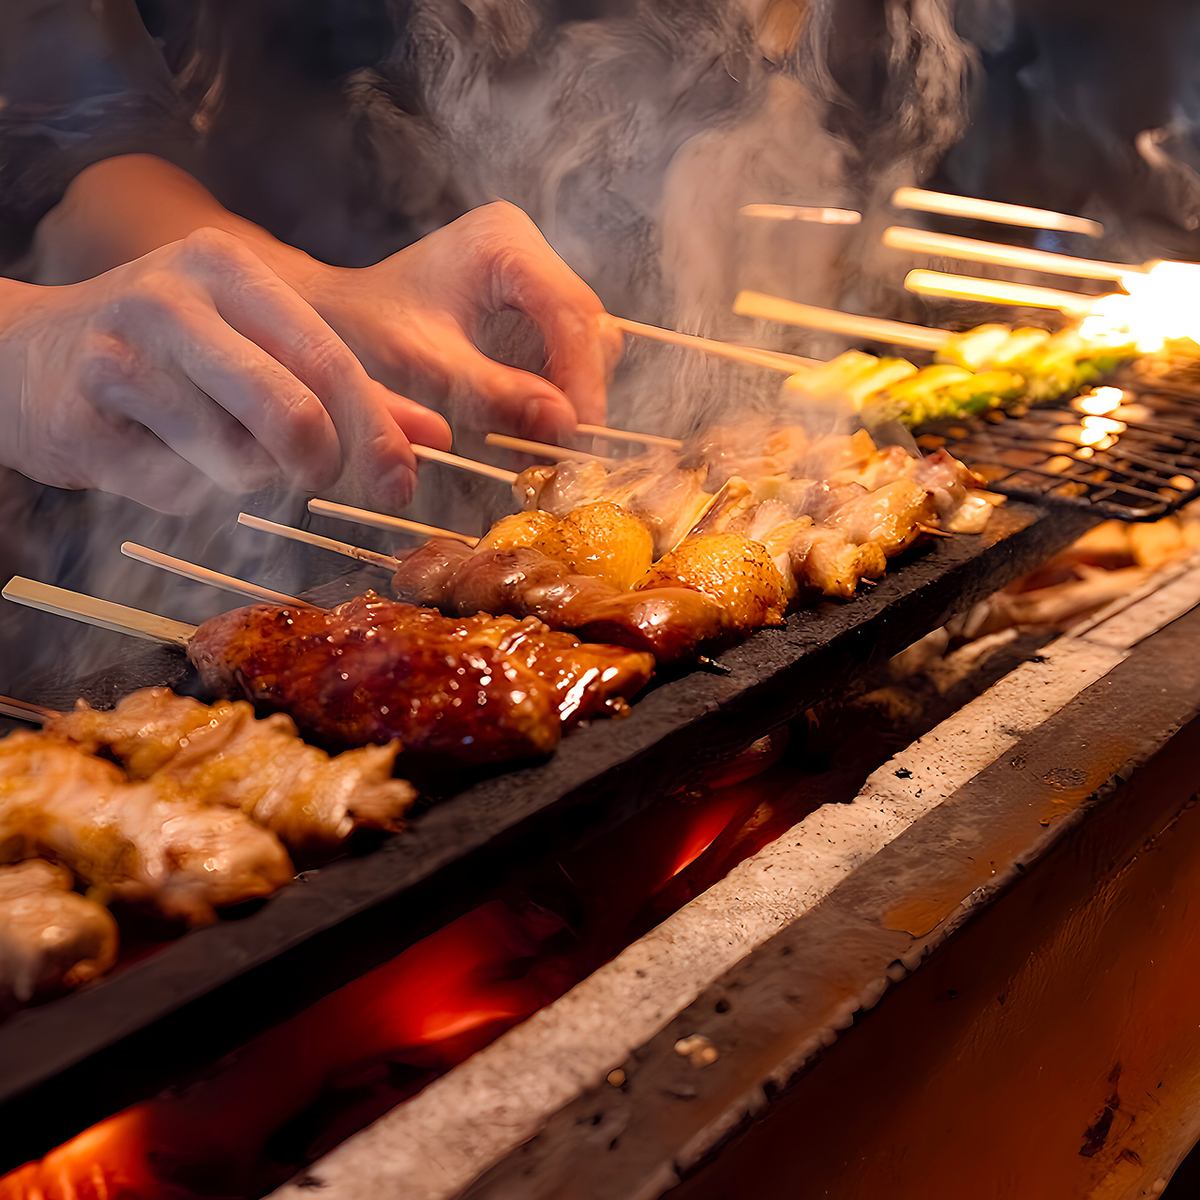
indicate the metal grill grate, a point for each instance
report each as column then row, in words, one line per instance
column 1129, row 450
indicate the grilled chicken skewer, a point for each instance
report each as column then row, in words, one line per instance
column 222, row 754
column 143, row 843
column 51, row 938
column 458, row 693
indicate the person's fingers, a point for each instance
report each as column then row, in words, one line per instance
column 167, row 403
column 422, row 426
column 436, row 355
column 526, row 274
column 259, row 305
column 510, row 400
column 130, row 461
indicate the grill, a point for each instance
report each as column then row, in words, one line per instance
column 77, row 1059
column 1061, row 453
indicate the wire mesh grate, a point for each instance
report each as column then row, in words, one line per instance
column 1129, row 449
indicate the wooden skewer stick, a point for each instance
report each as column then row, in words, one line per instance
column 92, row 611
column 464, row 464
column 772, row 360
column 999, row 291
column 921, row 241
column 199, row 574
column 812, row 214
column 525, row 446
column 361, row 553
column 364, row 516
column 624, row 435
column 921, row 200
column 26, row 710
column 809, row 316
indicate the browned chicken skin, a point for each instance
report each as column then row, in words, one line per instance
column 51, row 939
column 373, row 670
column 732, row 570
column 222, row 754
column 670, row 623
column 145, row 843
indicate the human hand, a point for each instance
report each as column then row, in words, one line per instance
column 191, row 368
column 414, row 319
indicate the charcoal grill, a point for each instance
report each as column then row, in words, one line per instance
column 75, row 1060
column 1145, row 472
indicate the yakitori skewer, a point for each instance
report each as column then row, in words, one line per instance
column 365, row 516
column 429, row 454
column 810, row 316
column 809, row 213
column 998, row 213
column 999, row 291
column 199, row 574
column 923, row 241
column 772, row 360
column 525, row 446
column 454, row 692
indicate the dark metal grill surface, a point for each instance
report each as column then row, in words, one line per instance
column 1142, row 472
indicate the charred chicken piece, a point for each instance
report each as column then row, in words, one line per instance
column 221, row 754
column 672, row 623
column 142, row 843
column 51, row 939
column 730, row 569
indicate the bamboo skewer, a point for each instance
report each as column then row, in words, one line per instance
column 26, row 710
column 998, row 213
column 199, row 574
column 811, row 214
column 541, row 449
column 921, row 241
column 772, row 360
column 624, row 435
column 999, row 291
column 359, row 553
column 809, row 316
column 464, row 464
column 364, row 516
column 504, row 442
column 102, row 613
column 372, row 557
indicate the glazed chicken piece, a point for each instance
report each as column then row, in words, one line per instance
column 373, row 670
column 730, row 569
column 344, row 679
column 51, row 939
column 588, row 679
column 221, row 754
column 671, row 623
column 665, row 497
column 141, row 843
column 599, row 539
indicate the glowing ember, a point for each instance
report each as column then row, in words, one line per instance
column 1100, row 401
column 1159, row 308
